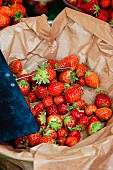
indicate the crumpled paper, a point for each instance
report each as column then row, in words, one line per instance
column 33, row 41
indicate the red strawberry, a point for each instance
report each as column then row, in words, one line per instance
column 15, row 66
column 55, row 88
column 72, row 2
column 31, row 77
column 24, row 87
column 21, row 142
column 90, row 8
column 69, row 61
column 73, row 94
column 41, row 118
column 80, row 104
column 47, row 101
column 1, row 1
column 17, row 1
column 67, row 76
column 83, row 121
column 41, row 91
column 92, row 79
column 50, row 132
column 33, row 139
column 93, row 119
column 81, row 81
column 33, row 111
column 39, row 107
column 51, row 72
column 102, row 100
column 75, row 133
column 39, row 10
column 6, row 10
column 105, row 4
column 51, row 62
column 46, row 139
column 51, row 110
column 27, row 101
column 62, row 132
column 54, row 121
column 103, row 15
column 62, row 108
column 81, row 70
column 59, row 99
column 104, row 113
column 77, row 114
column 61, row 141
column 69, row 121
column 71, row 141
column 23, row 75
column 90, row 109
column 32, row 97
column 79, row 3
column 111, row 3
column 94, row 127
column 18, row 7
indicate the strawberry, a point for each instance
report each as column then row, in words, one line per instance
column 50, row 132
column 47, row 101
column 90, row 8
column 90, row 109
column 33, row 139
column 42, row 4
column 39, row 107
column 62, row 132
column 111, row 3
column 62, row 108
column 71, row 141
column 46, row 139
column 40, row 91
column 104, row 113
column 81, row 70
column 18, row 7
column 68, row 61
column 92, row 79
column 51, row 62
column 59, row 99
column 103, row 15
column 21, row 142
column 33, row 111
column 80, row 104
column 54, row 121
column 27, row 101
column 81, row 81
column 32, row 97
column 1, row 1
column 79, row 3
column 73, row 94
column 51, row 110
column 75, row 133
column 39, row 10
column 24, row 87
column 83, row 122
column 61, row 141
column 69, row 121
column 23, row 75
column 16, row 1
column 102, row 100
column 41, row 118
column 6, row 10
column 77, row 114
column 72, row 2
column 51, row 72
column 31, row 76
column 15, row 66
column 105, row 4
column 55, row 88
column 94, row 127
column 93, row 118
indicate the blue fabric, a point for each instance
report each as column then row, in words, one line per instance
column 16, row 119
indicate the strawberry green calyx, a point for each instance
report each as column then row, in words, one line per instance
column 78, row 127
column 41, row 75
column 94, row 127
column 99, row 90
column 85, row 1
column 18, row 16
column 43, row 118
column 96, row 9
column 23, row 83
column 56, row 125
column 67, row 119
column 48, row 133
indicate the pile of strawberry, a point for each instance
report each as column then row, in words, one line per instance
column 54, row 94
column 101, row 9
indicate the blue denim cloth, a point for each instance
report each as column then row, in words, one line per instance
column 16, row 119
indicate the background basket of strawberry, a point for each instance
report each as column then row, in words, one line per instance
column 101, row 9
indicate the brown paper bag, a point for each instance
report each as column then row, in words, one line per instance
column 34, row 41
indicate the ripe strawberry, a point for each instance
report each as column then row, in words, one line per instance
column 80, row 104
column 41, row 118
column 22, row 75
column 81, row 70
column 94, row 127
column 51, row 72
column 1, row 1
column 50, row 132
column 32, row 96
column 103, row 15
column 33, row 139
column 15, row 66
column 17, row 1
column 77, row 114
column 55, row 88
column 104, row 113
column 24, row 87
column 105, row 4
column 54, row 121
column 69, row 121
column 71, row 141
column 40, row 91
column 59, row 99
column 46, row 139
column 31, row 77
column 75, row 133
column 27, row 101
column 61, row 141
column 90, row 8
column 111, row 3
column 47, row 101
column 102, row 100
column 33, row 111
column 67, row 76
column 90, row 109
column 21, row 142
column 51, row 110
column 69, row 61
column 6, row 10
column 92, row 79
column 51, row 62
column 79, row 3
column 93, row 119
column 62, row 132
column 39, row 10
column 81, row 81
column 83, row 122
column 72, row 2
column 18, row 7
column 39, row 107
column 62, row 108
column 73, row 94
